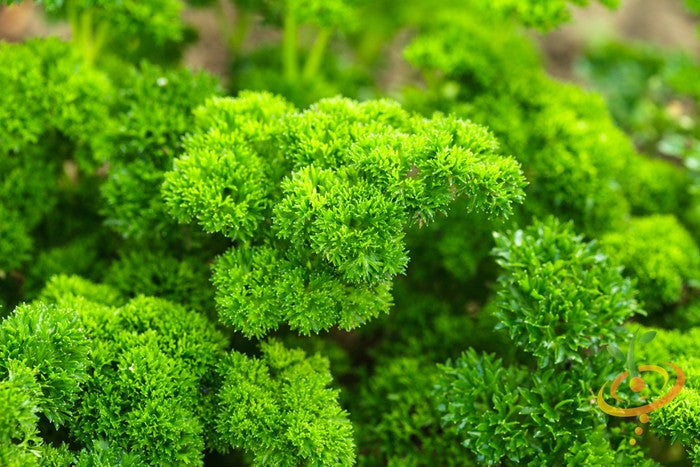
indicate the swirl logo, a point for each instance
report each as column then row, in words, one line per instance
column 637, row 384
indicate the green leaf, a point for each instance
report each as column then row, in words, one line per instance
column 615, row 351
column 647, row 337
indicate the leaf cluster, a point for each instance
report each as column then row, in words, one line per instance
column 316, row 201
column 279, row 408
column 559, row 295
column 659, row 254
column 147, row 381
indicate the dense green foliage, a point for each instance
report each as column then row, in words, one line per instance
column 660, row 254
column 280, row 409
column 319, row 265
column 81, row 354
column 317, row 201
column 558, row 295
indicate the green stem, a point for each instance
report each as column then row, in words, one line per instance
column 88, row 41
column 86, row 33
column 222, row 21
column 98, row 41
column 631, row 364
column 240, row 34
column 289, row 47
column 369, row 48
column 313, row 61
column 73, row 21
